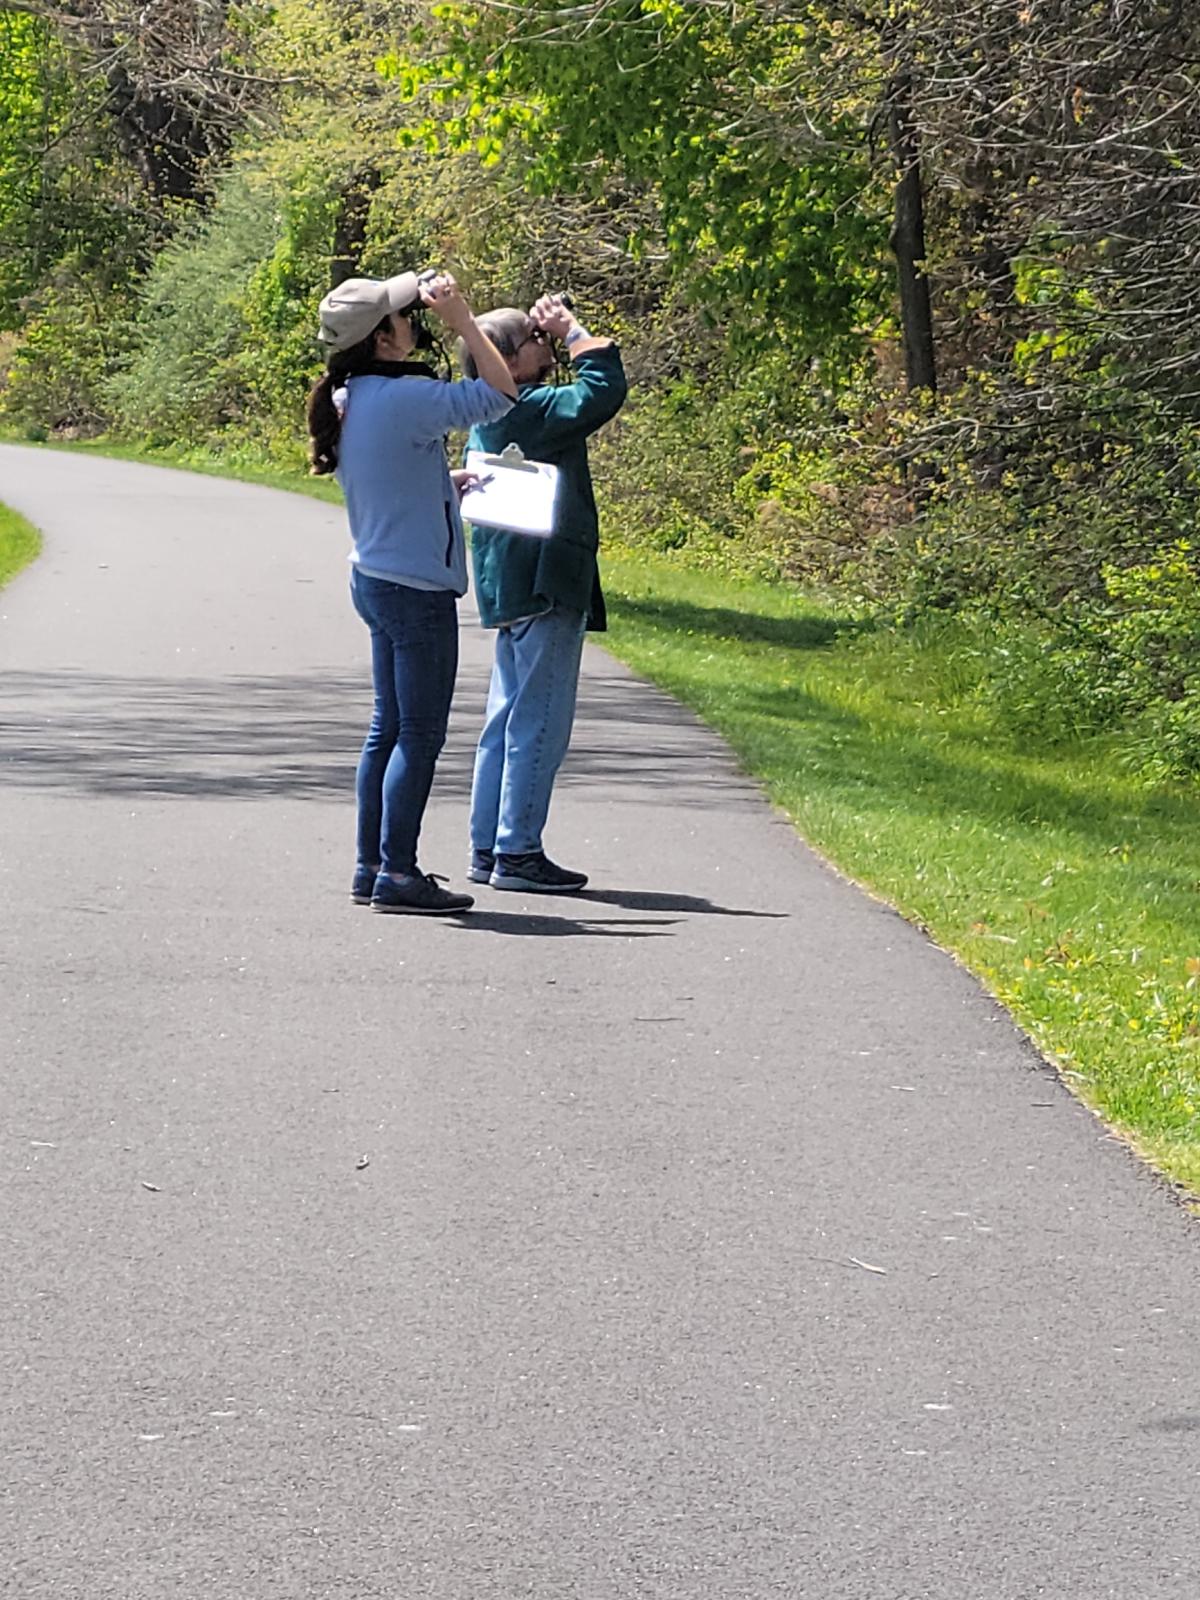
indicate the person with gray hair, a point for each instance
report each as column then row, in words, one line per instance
column 540, row 594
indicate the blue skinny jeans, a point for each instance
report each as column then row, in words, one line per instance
column 414, row 660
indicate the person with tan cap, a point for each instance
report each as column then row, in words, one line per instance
column 378, row 420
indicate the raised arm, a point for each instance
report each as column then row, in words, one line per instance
column 554, row 315
column 445, row 299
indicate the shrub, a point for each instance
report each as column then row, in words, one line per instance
column 1126, row 663
column 185, row 373
column 1155, row 639
column 730, row 465
column 664, row 471
column 54, row 380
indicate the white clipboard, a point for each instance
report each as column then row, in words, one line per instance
column 513, row 494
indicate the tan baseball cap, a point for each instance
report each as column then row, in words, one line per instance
column 355, row 307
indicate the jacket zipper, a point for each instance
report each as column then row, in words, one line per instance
column 450, row 534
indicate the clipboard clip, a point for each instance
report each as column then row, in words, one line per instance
column 513, row 457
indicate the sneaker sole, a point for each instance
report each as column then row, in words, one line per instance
column 420, row 911
column 528, row 886
column 361, row 899
column 479, row 877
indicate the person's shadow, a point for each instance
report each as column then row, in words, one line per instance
column 653, row 900
column 548, row 925
column 537, row 925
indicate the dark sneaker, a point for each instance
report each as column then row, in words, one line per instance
column 364, row 885
column 420, row 893
column 483, row 863
column 535, row 873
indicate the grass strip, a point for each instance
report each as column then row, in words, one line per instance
column 1069, row 888
column 19, row 544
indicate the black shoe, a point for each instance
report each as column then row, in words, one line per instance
column 482, row 865
column 364, row 885
column 535, row 873
column 418, row 892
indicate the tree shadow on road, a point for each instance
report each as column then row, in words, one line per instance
column 298, row 736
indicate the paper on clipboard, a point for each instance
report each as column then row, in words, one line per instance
column 513, row 494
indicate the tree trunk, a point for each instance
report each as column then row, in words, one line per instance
column 350, row 228
column 908, row 240
column 166, row 143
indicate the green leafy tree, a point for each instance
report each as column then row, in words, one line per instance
column 769, row 212
column 35, row 121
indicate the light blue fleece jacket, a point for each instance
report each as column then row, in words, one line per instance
column 392, row 467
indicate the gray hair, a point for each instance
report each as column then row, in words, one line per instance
column 506, row 327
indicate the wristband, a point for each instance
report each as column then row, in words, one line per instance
column 577, row 332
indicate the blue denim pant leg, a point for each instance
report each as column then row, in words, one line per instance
column 488, row 779
column 531, row 709
column 414, row 660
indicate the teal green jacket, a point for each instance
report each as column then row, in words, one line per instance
column 517, row 575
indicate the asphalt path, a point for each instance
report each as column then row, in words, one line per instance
column 710, row 1237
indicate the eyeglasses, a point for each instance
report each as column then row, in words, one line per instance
column 538, row 336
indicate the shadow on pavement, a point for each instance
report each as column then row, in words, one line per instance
column 531, row 925
column 653, row 900
column 298, row 735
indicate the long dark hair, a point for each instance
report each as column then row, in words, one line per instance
column 324, row 422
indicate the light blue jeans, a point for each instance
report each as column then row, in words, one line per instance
column 530, row 710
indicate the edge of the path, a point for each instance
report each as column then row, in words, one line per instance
column 321, row 489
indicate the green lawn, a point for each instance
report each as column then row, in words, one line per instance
column 19, row 543
column 1072, row 890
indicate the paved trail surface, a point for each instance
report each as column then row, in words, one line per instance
column 369, row 1257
